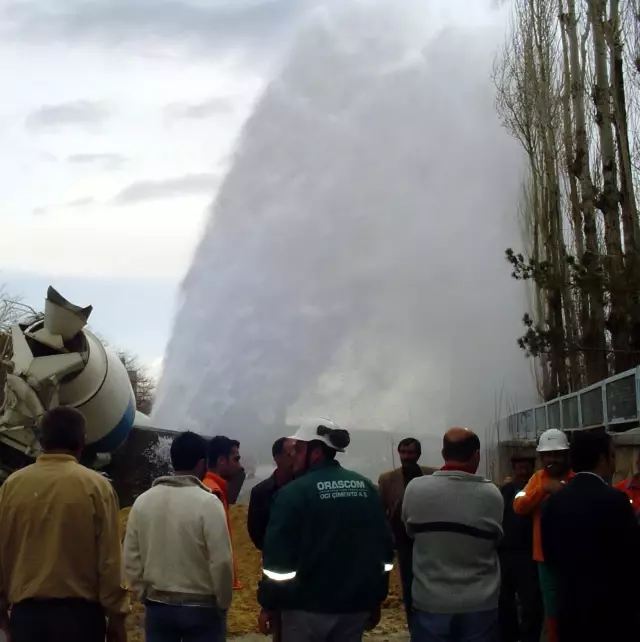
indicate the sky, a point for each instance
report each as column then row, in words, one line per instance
column 117, row 125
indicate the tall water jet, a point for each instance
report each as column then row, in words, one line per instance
column 353, row 262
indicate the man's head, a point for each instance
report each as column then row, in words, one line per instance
column 592, row 451
column 523, row 468
column 283, row 454
column 410, row 451
column 461, row 447
column 553, row 448
column 224, row 457
column 62, row 430
column 189, row 455
column 318, row 440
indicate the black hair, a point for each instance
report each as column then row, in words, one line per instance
column 587, row 448
column 220, row 446
column 461, row 450
column 410, row 441
column 63, row 428
column 278, row 447
column 187, row 449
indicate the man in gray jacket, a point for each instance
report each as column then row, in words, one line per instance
column 455, row 518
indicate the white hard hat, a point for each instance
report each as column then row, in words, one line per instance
column 552, row 440
column 308, row 431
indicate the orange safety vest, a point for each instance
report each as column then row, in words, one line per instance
column 529, row 502
column 218, row 486
column 631, row 487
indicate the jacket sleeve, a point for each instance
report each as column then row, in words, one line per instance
column 218, row 541
column 387, row 552
column 133, row 566
column 407, row 505
column 281, row 549
column 383, row 492
column 112, row 593
column 528, row 499
column 256, row 519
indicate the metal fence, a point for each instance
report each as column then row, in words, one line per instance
column 613, row 403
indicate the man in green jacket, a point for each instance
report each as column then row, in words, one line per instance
column 328, row 548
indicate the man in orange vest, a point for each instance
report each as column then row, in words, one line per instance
column 631, row 486
column 553, row 449
column 223, row 461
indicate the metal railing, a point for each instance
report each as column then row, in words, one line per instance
column 612, row 403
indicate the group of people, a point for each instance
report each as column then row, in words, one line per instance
column 558, row 548
column 478, row 562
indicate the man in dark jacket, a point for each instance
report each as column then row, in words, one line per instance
column 263, row 493
column 328, row 549
column 590, row 540
column 519, row 575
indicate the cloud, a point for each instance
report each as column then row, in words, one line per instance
column 186, row 185
column 146, row 247
column 106, row 161
column 203, row 110
column 81, row 202
column 84, row 113
column 216, row 24
column 39, row 211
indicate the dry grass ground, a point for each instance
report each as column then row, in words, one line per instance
column 244, row 610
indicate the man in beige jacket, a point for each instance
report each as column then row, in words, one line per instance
column 391, row 486
column 177, row 551
column 60, row 555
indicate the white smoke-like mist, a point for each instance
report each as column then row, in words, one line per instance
column 353, row 265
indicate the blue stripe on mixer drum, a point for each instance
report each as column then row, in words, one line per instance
column 116, row 436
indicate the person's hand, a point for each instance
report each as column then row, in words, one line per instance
column 552, row 486
column 264, row 622
column 116, row 631
column 374, row 619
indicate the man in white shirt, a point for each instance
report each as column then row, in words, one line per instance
column 177, row 551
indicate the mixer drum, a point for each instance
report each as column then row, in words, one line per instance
column 55, row 361
column 102, row 392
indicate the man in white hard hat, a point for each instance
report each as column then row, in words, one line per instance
column 553, row 449
column 328, row 549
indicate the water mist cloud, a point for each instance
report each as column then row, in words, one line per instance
column 353, row 262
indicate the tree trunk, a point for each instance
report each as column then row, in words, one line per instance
column 553, row 224
column 628, row 201
column 609, row 199
column 593, row 338
column 574, row 337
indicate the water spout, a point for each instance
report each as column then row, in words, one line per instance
column 353, row 262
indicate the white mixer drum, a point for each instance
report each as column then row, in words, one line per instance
column 102, row 392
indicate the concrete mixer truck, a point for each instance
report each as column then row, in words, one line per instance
column 53, row 361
